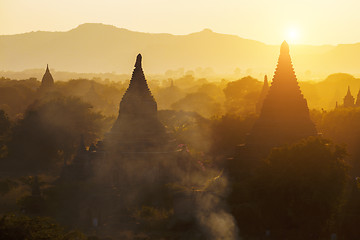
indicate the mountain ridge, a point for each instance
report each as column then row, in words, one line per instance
column 97, row 47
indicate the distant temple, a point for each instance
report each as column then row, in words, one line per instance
column 349, row 100
column 284, row 116
column 358, row 99
column 47, row 80
column 263, row 94
column 169, row 95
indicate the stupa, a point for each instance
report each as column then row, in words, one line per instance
column 284, row 116
column 137, row 127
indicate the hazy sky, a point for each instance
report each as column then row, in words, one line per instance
column 269, row 21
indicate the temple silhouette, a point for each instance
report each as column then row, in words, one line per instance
column 47, row 80
column 349, row 100
column 284, row 116
column 263, row 94
column 137, row 127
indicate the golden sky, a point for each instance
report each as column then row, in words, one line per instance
column 269, row 21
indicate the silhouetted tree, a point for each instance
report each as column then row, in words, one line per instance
column 14, row 227
column 242, row 95
column 300, row 186
column 50, row 131
column 229, row 131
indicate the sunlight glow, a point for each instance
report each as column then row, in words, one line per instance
column 292, row 35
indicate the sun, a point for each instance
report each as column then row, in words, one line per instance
column 292, row 35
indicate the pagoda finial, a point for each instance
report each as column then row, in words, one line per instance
column 348, row 92
column 47, row 68
column 266, row 80
column 284, row 48
column 138, row 61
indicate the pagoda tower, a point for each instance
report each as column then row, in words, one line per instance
column 47, row 80
column 264, row 92
column 137, row 127
column 284, row 117
column 358, row 99
column 349, row 99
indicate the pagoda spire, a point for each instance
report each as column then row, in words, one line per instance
column 284, row 115
column 349, row 99
column 138, row 61
column 264, row 92
column 358, row 99
column 47, row 80
column 137, row 120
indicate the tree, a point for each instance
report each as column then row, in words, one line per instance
column 300, row 186
column 50, row 133
column 229, row 131
column 14, row 227
column 242, row 95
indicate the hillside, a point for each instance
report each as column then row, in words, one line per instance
column 103, row 48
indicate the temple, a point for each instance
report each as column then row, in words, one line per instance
column 137, row 127
column 263, row 94
column 47, row 80
column 358, row 99
column 284, row 116
column 349, row 100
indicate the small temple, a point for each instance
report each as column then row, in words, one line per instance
column 358, row 99
column 263, row 94
column 349, row 100
column 284, row 115
column 47, row 80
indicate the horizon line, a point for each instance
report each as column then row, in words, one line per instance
column 182, row 34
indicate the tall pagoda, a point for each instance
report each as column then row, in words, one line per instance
column 284, row 116
column 137, row 127
column 47, row 80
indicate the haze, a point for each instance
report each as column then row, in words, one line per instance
column 313, row 22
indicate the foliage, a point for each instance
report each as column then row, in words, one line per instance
column 300, row 186
column 198, row 102
column 150, row 214
column 51, row 131
column 342, row 125
column 242, row 95
column 6, row 185
column 229, row 131
column 15, row 227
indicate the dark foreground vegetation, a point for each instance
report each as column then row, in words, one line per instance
column 309, row 189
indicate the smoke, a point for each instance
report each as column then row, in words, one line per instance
column 212, row 214
column 217, row 224
column 202, row 199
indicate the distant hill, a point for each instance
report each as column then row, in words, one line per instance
column 94, row 47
